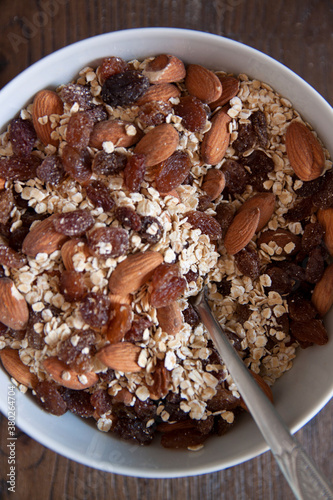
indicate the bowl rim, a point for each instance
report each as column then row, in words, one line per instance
column 118, row 37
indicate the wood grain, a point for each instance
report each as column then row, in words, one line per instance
column 298, row 34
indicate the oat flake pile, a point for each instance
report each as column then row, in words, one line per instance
column 122, row 194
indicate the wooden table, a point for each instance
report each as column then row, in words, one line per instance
column 299, row 34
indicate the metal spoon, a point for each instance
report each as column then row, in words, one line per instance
column 306, row 482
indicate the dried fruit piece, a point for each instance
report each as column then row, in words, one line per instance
column 304, row 152
column 246, row 138
column 79, row 128
column 50, row 398
column 43, row 238
column 119, row 323
column 300, row 211
column 158, row 144
column 192, row 112
column 151, row 229
column 248, row 262
column 315, row 265
column 78, row 402
column 14, row 311
column 202, row 83
column 173, row 171
column 300, row 309
column 236, row 176
column 165, row 68
column 73, row 223
column 213, row 183
column 99, row 195
column 241, row 230
column 19, row 168
column 121, row 133
column 153, row 113
column 94, row 309
column 101, row 401
column 77, row 164
column 206, row 223
column 72, row 285
column 138, row 327
column 166, row 286
column 121, row 89
column 230, row 88
column 260, row 165
column 312, row 236
column 191, row 316
column 22, row 136
column 259, row 124
column 67, row 377
column 105, row 242
column 311, row 331
column 51, row 170
column 77, row 350
column 6, row 205
column 19, row 371
column 110, row 66
column 108, row 163
column 122, row 356
column 322, row 296
column 11, row 258
column 170, row 318
column 134, row 172
column 224, row 215
column 266, row 204
column 46, row 103
column 128, row 217
column 323, row 198
column 216, row 140
column 76, row 93
column 281, row 282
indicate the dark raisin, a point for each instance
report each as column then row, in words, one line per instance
column 315, row 265
column 95, row 308
column 182, row 438
column 280, row 280
column 31, row 216
column 204, row 202
column 73, row 223
column 98, row 114
column 300, row 309
column 236, row 177
column 300, row 211
column 153, row 113
column 6, row 205
column 309, row 188
column 223, row 400
column 312, row 236
column 191, row 316
column 173, row 171
column 324, row 197
column 107, row 376
column 11, row 258
column 145, row 410
column 128, row 218
column 124, row 88
column 51, row 170
column 134, row 172
column 246, row 138
column 77, row 350
column 260, row 165
column 206, row 223
column 110, row 66
column 167, row 285
column 312, row 331
column 72, row 285
column 105, row 242
column 191, row 276
column 224, row 287
column 77, row 164
column 34, row 336
column 243, row 312
column 259, row 124
column 23, row 136
column 16, row 238
column 133, row 429
column 50, row 398
column 99, row 194
column 74, row 92
column 248, row 262
column 224, row 215
column 135, row 333
column 151, row 229
column 192, row 112
column 108, row 163
column 101, row 401
column 189, row 180
column 19, row 168
column 78, row 402
column 79, row 128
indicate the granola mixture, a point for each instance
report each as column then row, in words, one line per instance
column 114, row 197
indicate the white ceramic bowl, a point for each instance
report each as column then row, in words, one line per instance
column 302, row 391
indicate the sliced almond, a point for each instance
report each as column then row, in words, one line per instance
column 266, row 204
column 202, row 83
column 133, row 272
column 43, row 238
column 213, row 183
column 289, row 242
column 19, row 371
column 14, row 311
column 165, row 68
column 170, row 318
column 230, row 88
column 66, row 376
column 159, row 92
column 216, row 140
column 241, row 230
column 304, row 152
column 122, row 356
column 119, row 132
column 46, row 103
column 158, row 144
column 71, row 248
column 263, row 386
column 322, row 297
column 325, row 218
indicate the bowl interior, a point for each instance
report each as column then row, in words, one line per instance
column 302, row 391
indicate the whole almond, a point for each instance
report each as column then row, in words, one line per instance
column 266, row 204
column 202, row 83
column 158, row 144
column 322, row 296
column 14, row 311
column 71, row 248
column 289, row 242
column 122, row 356
column 213, row 183
column 165, row 68
column 230, row 88
column 119, row 132
column 133, row 272
column 19, row 371
column 305, row 154
column 241, row 230
column 46, row 103
column 216, row 140
column 159, row 92
column 263, row 386
column 170, row 318
column 120, row 299
column 43, row 238
column 325, row 218
column 66, row 376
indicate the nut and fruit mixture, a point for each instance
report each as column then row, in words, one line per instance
column 123, row 193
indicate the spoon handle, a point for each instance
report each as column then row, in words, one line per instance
column 304, row 479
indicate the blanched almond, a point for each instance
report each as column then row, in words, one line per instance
column 119, row 132
column 322, row 297
column 165, row 68
column 216, row 140
column 14, row 311
column 46, row 103
column 202, row 83
column 122, row 356
column 66, row 376
column 170, row 318
column 158, row 144
column 133, row 272
column 19, row 371
column 43, row 238
column 241, row 230
column 159, row 92
column 266, row 204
